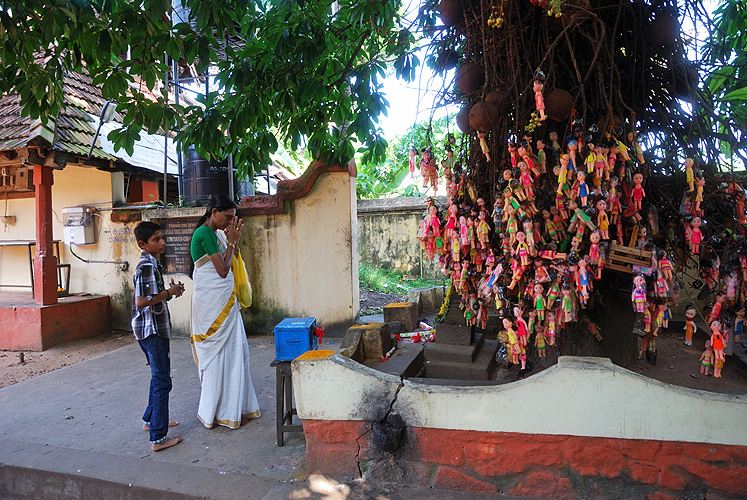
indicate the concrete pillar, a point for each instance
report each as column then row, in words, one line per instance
column 45, row 262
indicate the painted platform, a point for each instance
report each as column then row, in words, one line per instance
column 25, row 326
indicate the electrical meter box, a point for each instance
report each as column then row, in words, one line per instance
column 78, row 228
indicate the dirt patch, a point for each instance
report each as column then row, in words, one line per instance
column 374, row 302
column 19, row 366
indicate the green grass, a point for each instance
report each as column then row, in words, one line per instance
column 390, row 281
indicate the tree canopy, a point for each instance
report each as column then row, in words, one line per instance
column 308, row 70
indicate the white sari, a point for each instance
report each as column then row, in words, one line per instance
column 220, row 348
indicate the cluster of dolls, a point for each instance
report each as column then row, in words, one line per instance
column 538, row 252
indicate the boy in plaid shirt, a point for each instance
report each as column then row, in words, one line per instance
column 151, row 325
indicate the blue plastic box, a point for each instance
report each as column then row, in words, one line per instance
column 295, row 336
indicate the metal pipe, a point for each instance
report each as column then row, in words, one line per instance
column 125, row 265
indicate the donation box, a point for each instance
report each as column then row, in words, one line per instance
column 295, row 336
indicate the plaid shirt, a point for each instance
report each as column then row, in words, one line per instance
column 153, row 319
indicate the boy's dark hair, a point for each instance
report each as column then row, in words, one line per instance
column 145, row 230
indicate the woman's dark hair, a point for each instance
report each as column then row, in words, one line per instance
column 220, row 202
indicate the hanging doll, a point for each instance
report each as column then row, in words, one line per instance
column 550, row 327
column 602, row 219
column 695, row 236
column 738, row 322
column 583, row 281
column 550, row 228
column 539, row 301
column 483, row 230
column 541, row 156
column 522, row 330
column 563, row 173
column 636, row 147
column 526, row 180
column 699, row 185
column 716, row 309
column 690, row 326
column 689, row 174
column 484, row 145
column 539, row 101
column 566, row 304
column 540, row 343
column 717, row 344
column 526, row 158
column 706, row 359
column 572, row 150
column 522, row 249
column 413, row 161
column 638, row 192
column 583, row 188
column 638, row 297
column 513, row 340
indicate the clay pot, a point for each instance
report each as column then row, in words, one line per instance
column 558, row 104
column 469, row 77
column 450, row 12
column 447, row 59
column 462, row 120
column 500, row 100
column 606, row 122
column 664, row 30
column 483, row 116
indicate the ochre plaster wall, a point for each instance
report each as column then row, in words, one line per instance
column 387, row 236
column 114, row 241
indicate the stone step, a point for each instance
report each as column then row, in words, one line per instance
column 482, row 368
column 407, row 361
column 436, row 351
column 455, row 334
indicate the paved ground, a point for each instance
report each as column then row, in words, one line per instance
column 79, row 429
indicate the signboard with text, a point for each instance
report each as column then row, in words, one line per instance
column 178, row 233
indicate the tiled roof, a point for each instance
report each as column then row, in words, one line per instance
column 73, row 130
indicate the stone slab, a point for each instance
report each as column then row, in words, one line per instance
column 481, row 369
column 374, row 337
column 428, row 299
column 436, row 351
column 455, row 334
column 404, row 312
column 407, row 361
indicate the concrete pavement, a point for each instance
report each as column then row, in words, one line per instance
column 76, row 433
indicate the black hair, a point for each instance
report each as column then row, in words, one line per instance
column 145, row 230
column 220, row 202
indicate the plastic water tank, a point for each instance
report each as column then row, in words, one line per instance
column 203, row 178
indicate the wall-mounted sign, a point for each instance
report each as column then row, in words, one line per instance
column 178, row 233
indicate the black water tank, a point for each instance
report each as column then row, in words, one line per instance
column 203, row 178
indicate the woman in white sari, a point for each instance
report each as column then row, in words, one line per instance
column 219, row 340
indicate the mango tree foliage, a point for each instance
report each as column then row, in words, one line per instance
column 303, row 72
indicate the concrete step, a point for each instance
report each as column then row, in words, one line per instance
column 482, row 368
column 407, row 361
column 436, row 351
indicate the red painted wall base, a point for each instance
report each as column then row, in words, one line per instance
column 28, row 327
column 536, row 466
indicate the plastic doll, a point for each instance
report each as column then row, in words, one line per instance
column 526, row 157
column 539, row 301
column 638, row 297
column 602, row 220
column 566, row 304
column 572, row 150
column 451, row 221
column 470, row 312
column 731, row 287
column 528, row 227
column 665, row 267
column 521, row 326
column 541, row 156
column 526, row 180
column 513, row 341
column 425, row 156
column 638, row 192
column 471, row 241
column 717, row 341
column 689, row 174
column 590, row 159
column 716, row 309
column 563, row 172
column 662, row 319
column 583, row 281
column 690, row 326
column 540, row 341
column 413, row 161
column 706, row 359
column 483, row 230
column 699, row 185
column 601, row 168
column 512, row 147
column 550, row 327
column 539, row 101
column 522, row 249
column 550, row 228
column 484, row 145
column 647, row 320
column 739, row 313
column 583, row 188
column 636, row 147
column 482, row 313
column 695, row 236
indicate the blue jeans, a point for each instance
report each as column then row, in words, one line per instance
column 157, row 413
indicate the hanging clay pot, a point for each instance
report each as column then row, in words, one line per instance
column 447, row 59
column 469, row 77
column 462, row 120
column 450, row 12
column 483, row 116
column 500, row 100
column 664, row 30
column 558, row 105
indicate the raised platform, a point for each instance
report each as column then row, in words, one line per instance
column 25, row 326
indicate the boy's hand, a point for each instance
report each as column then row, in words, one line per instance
column 176, row 289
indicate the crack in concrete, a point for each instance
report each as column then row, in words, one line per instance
column 358, row 453
column 394, row 400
